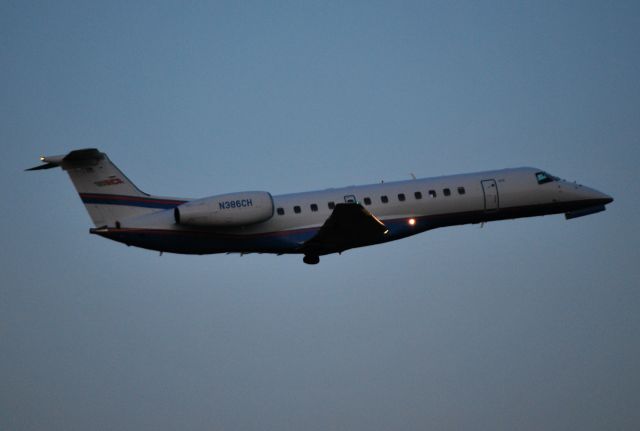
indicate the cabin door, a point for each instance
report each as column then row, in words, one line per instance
column 491, row 198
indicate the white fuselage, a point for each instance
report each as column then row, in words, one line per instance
column 406, row 207
column 311, row 223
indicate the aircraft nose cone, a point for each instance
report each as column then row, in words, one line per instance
column 602, row 198
column 579, row 192
column 599, row 197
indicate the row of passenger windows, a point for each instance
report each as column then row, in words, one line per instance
column 384, row 199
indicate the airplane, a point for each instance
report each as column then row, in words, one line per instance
column 314, row 223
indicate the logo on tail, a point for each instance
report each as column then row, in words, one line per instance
column 111, row 181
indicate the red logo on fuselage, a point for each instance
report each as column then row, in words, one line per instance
column 111, row 181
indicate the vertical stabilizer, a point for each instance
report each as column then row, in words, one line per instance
column 107, row 193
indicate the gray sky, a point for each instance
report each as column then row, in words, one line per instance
column 529, row 324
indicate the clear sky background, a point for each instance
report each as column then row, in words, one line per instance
column 529, row 324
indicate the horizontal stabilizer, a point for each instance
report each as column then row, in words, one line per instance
column 75, row 159
column 45, row 166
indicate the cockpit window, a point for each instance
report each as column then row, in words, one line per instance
column 544, row 177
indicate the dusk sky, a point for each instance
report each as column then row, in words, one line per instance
column 528, row 324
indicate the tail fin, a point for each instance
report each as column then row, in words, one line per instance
column 108, row 195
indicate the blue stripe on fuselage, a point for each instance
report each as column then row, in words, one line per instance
column 131, row 201
column 192, row 241
column 204, row 242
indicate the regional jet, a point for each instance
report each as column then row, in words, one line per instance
column 314, row 223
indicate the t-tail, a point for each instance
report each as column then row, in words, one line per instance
column 108, row 195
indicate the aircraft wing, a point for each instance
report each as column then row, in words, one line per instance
column 349, row 225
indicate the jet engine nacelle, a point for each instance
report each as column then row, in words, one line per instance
column 228, row 210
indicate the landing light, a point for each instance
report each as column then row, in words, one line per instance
column 412, row 221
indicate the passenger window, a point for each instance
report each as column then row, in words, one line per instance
column 384, row 199
column 461, row 190
column 367, row 201
column 432, row 193
column 418, row 195
column 401, row 197
column 331, row 205
column 446, row 192
column 280, row 211
column 314, row 207
column 296, row 209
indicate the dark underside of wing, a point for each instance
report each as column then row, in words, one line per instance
column 350, row 225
